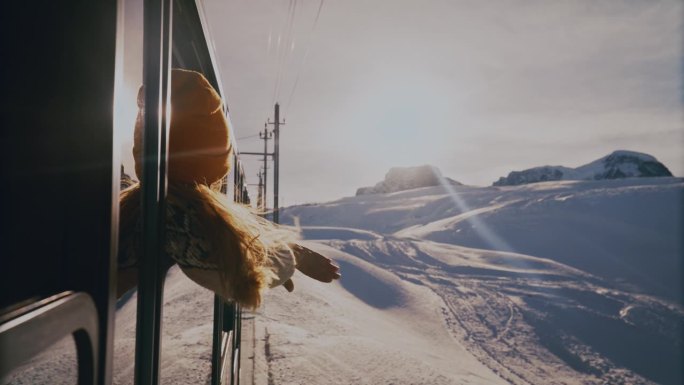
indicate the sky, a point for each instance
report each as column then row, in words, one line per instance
column 476, row 88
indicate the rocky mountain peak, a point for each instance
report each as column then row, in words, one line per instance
column 616, row 165
column 406, row 178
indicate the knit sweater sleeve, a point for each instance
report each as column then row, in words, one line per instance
column 281, row 266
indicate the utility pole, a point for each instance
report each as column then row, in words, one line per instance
column 260, row 193
column 276, row 162
column 265, row 136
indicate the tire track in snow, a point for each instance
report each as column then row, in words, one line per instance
column 269, row 356
column 475, row 344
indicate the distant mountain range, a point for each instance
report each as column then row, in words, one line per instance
column 619, row 164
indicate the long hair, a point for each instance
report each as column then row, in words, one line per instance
column 241, row 241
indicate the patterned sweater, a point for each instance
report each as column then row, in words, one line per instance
column 186, row 245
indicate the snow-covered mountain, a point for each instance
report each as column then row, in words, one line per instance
column 406, row 178
column 619, row 164
column 575, row 281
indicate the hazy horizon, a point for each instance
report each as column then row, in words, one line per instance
column 477, row 89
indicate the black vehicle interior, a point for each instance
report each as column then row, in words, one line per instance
column 61, row 179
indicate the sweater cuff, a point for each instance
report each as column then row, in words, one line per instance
column 281, row 266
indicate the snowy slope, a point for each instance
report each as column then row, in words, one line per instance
column 620, row 230
column 575, row 280
column 624, row 232
column 369, row 328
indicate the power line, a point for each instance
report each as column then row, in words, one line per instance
column 277, row 49
column 306, row 55
column 283, row 49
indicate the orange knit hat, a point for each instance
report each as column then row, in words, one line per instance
column 199, row 147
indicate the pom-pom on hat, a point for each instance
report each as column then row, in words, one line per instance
column 199, row 146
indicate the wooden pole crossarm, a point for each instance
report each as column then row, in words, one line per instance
column 256, row 153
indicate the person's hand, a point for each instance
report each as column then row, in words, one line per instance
column 315, row 265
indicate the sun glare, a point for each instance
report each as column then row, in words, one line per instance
column 125, row 112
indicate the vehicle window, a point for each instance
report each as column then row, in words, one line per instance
column 129, row 79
